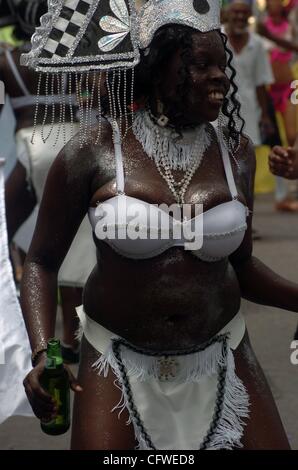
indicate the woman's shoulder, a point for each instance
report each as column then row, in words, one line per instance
column 84, row 150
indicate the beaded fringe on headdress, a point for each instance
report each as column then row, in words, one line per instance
column 80, row 95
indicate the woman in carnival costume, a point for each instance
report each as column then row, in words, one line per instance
column 166, row 360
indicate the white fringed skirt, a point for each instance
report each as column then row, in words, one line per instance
column 187, row 400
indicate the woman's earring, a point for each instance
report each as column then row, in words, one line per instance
column 163, row 120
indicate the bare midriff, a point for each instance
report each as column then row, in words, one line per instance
column 170, row 302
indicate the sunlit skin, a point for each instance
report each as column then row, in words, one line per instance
column 168, row 302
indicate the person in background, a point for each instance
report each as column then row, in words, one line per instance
column 254, row 73
column 253, row 70
column 283, row 162
column 279, row 32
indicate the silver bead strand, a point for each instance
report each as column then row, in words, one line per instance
column 132, row 95
column 70, row 105
column 46, row 109
column 63, row 87
column 60, row 112
column 86, row 110
column 99, row 108
column 53, row 110
column 125, row 103
column 53, row 106
column 91, row 104
column 109, row 95
column 113, row 96
column 119, row 101
column 81, row 112
column 36, row 109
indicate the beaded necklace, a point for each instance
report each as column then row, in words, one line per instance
column 172, row 151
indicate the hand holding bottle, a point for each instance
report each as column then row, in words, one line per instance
column 47, row 388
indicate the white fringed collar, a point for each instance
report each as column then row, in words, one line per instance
column 182, row 150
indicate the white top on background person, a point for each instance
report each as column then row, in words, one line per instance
column 252, row 65
column 253, row 70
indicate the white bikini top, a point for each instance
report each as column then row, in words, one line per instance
column 221, row 229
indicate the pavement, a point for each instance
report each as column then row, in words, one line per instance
column 271, row 332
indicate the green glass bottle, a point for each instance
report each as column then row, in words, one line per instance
column 55, row 381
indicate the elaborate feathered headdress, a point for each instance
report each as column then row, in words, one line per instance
column 83, row 36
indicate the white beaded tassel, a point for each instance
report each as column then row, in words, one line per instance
column 86, row 110
column 91, row 103
column 60, row 111
column 46, row 108
column 81, row 112
column 111, row 105
column 63, row 88
column 70, row 105
column 114, row 116
column 52, row 94
column 125, row 103
column 119, row 100
column 99, row 108
column 132, row 95
column 36, row 109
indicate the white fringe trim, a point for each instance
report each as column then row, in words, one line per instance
column 191, row 368
column 181, row 152
column 229, row 430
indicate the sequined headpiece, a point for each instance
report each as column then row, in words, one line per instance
column 82, row 36
column 201, row 15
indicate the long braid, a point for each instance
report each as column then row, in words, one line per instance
column 231, row 106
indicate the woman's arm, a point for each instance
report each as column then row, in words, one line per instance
column 64, row 204
column 258, row 283
column 284, row 43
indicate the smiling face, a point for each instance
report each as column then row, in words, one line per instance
column 194, row 83
column 238, row 16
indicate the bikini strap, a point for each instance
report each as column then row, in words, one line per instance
column 120, row 179
column 227, row 165
column 16, row 73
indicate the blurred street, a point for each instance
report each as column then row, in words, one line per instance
column 271, row 331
